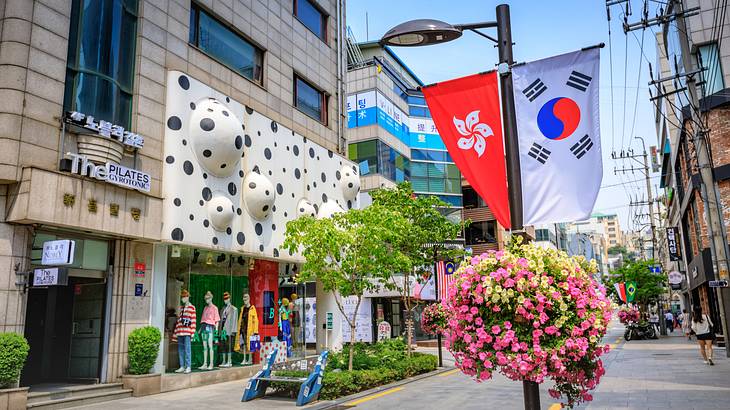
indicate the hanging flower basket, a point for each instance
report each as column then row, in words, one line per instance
column 628, row 314
column 435, row 319
column 531, row 314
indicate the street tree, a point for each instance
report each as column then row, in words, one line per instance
column 427, row 229
column 649, row 286
column 349, row 253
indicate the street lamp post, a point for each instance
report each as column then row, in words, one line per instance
column 424, row 32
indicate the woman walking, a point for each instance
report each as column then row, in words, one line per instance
column 702, row 328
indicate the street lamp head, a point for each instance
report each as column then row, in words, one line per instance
column 420, row 33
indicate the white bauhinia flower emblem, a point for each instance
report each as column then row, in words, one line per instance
column 474, row 133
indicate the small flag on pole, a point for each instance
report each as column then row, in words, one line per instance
column 620, row 290
column 630, row 291
column 444, row 276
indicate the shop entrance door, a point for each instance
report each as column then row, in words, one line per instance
column 63, row 325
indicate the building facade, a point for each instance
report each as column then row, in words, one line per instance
column 162, row 146
column 694, row 41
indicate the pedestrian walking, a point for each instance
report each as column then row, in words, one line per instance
column 654, row 321
column 685, row 321
column 669, row 319
column 702, row 328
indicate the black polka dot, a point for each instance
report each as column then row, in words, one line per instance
column 276, row 253
column 309, row 188
column 273, row 208
column 350, row 185
column 258, row 133
column 232, row 188
column 238, row 211
column 219, row 208
column 207, row 124
column 349, row 204
column 201, row 202
column 215, row 241
column 185, row 142
column 274, row 126
column 324, row 197
column 311, row 152
column 170, row 159
column 252, row 185
column 259, row 229
column 265, row 208
column 177, row 234
column 314, row 183
column 267, row 153
column 207, row 153
column 292, row 194
column 228, row 230
column 304, row 139
column 247, row 140
column 285, row 214
column 192, row 105
column 283, row 170
column 249, row 110
column 279, row 189
column 207, row 194
column 240, row 173
column 316, row 208
column 192, row 217
column 205, row 175
column 177, row 202
column 184, row 82
column 239, row 142
column 228, row 99
column 261, row 248
column 273, row 227
column 354, row 170
column 174, row 123
column 338, row 175
column 295, row 149
column 206, row 223
column 330, row 153
column 188, row 167
column 324, row 177
column 224, row 112
column 301, row 209
column 240, row 238
column 223, row 166
column 266, row 192
column 297, row 174
column 256, row 169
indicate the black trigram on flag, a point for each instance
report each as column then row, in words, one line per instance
column 579, row 81
column 581, row 147
column 534, row 90
column 539, row 152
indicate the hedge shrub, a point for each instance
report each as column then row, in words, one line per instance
column 144, row 345
column 13, row 352
column 339, row 383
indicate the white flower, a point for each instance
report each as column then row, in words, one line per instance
column 475, row 133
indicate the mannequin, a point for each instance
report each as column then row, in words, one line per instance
column 208, row 324
column 285, row 325
column 227, row 329
column 184, row 330
column 248, row 325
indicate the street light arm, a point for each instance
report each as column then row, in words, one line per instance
column 473, row 26
column 485, row 35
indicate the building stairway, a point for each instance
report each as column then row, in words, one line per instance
column 70, row 396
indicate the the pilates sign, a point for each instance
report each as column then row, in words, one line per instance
column 109, row 172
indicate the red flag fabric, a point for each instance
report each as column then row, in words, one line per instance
column 467, row 116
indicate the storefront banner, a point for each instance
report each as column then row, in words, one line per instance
column 60, row 252
column 422, row 133
column 50, row 277
column 351, row 111
column 390, row 118
column 672, row 235
column 363, row 322
column 366, row 108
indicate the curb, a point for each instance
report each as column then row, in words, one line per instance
column 330, row 404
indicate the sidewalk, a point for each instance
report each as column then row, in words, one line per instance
column 661, row 374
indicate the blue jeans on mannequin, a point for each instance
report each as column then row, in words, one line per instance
column 183, row 351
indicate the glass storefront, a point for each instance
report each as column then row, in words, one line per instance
column 266, row 310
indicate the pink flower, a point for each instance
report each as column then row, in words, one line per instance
column 496, row 330
column 507, row 325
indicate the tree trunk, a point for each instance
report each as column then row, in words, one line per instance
column 409, row 315
column 352, row 345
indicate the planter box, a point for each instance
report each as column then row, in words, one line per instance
column 144, row 384
column 14, row 399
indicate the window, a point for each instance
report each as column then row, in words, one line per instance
column 709, row 60
column 312, row 17
column 310, row 100
column 101, row 56
column 481, row 232
column 365, row 154
column 376, row 157
column 224, row 45
column 417, row 111
column 472, row 199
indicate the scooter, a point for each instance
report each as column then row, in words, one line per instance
column 640, row 331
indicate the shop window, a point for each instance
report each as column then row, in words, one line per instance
column 312, row 17
column 708, row 59
column 481, row 232
column 310, row 100
column 101, row 57
column 472, row 199
column 365, row 154
column 225, row 45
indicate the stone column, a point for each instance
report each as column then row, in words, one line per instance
column 15, row 242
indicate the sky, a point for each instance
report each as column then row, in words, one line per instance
column 541, row 29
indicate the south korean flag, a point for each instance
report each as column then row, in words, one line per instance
column 560, row 143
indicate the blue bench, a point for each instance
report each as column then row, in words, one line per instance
column 310, row 385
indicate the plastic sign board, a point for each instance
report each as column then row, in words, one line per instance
column 109, row 172
column 60, row 252
column 675, row 277
column 718, row 283
column 655, row 269
column 104, row 129
column 384, row 330
column 672, row 235
column 50, row 277
column 330, row 321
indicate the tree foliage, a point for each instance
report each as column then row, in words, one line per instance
column 349, row 253
column 426, row 226
column 648, row 285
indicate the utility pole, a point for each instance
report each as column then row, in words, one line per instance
column 708, row 191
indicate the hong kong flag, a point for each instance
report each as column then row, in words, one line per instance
column 466, row 114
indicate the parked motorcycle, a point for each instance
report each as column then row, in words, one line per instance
column 640, row 331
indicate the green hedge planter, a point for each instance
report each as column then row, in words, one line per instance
column 13, row 352
column 144, row 346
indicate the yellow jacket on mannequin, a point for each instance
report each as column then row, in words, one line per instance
column 252, row 325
